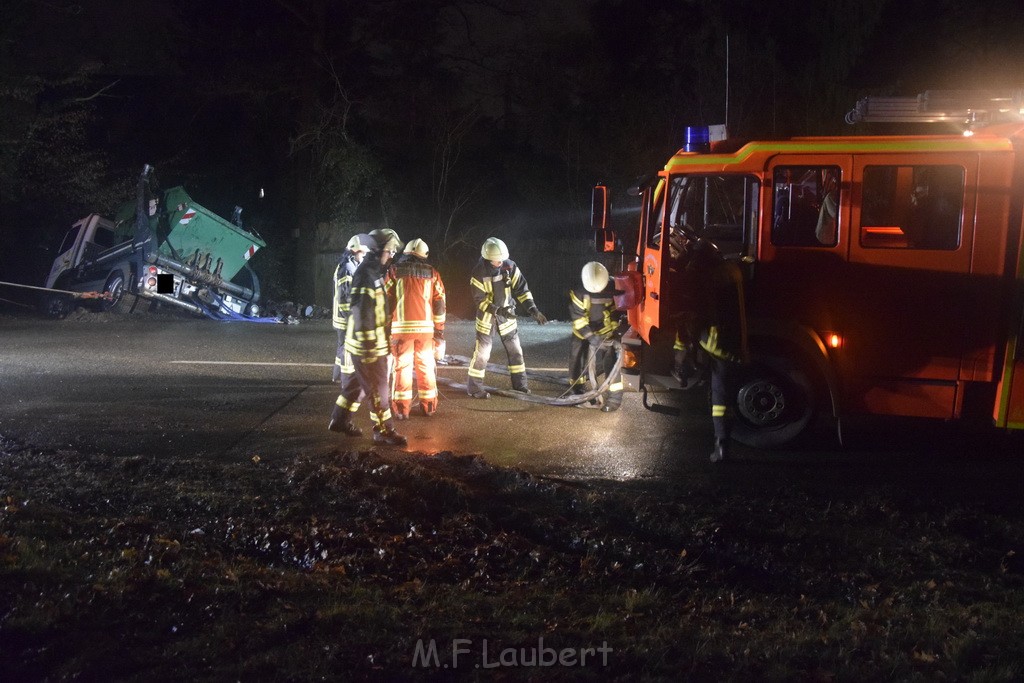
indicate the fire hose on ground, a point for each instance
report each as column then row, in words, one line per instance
column 564, row 400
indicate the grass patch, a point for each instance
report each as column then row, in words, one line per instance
column 339, row 565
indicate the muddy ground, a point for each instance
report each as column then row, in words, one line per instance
column 352, row 565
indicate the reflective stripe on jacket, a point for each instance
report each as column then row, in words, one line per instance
column 416, row 298
column 592, row 313
column 343, row 289
column 495, row 288
column 367, row 334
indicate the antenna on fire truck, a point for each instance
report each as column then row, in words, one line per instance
column 727, row 80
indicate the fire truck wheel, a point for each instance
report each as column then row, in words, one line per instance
column 120, row 301
column 774, row 403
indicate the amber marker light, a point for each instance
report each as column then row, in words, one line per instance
column 629, row 359
column 833, row 340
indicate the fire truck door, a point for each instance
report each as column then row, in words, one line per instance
column 908, row 300
column 648, row 314
column 1009, row 408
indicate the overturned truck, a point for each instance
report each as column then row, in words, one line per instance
column 164, row 248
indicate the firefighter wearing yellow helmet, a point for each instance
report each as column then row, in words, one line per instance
column 498, row 285
column 594, row 321
column 416, row 299
column 366, row 338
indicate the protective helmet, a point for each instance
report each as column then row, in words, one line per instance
column 595, row 277
column 386, row 239
column 494, row 250
column 361, row 243
column 417, row 247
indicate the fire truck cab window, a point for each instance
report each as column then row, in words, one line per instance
column 722, row 209
column 805, row 201
column 912, row 207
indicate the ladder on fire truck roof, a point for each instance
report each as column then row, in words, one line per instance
column 973, row 108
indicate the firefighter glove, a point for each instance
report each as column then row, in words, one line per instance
column 439, row 349
column 539, row 317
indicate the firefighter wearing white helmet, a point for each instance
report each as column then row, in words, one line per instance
column 416, row 299
column 350, row 259
column 498, row 285
column 366, row 338
column 595, row 320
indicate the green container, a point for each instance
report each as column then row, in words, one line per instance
column 183, row 226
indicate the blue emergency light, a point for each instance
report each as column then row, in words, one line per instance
column 697, row 139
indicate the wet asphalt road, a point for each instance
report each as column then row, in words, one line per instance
column 184, row 387
column 189, row 387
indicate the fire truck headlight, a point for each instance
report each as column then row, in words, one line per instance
column 151, row 282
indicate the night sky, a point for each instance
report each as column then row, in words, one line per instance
column 453, row 120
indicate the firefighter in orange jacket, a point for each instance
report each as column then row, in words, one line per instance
column 594, row 321
column 417, row 302
column 366, row 338
column 498, row 285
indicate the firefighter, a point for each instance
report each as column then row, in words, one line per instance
column 417, row 302
column 594, row 321
column 497, row 285
column 366, row 338
column 350, row 259
column 720, row 328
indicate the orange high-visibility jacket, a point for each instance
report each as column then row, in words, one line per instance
column 416, row 294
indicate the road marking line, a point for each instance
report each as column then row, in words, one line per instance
column 327, row 365
column 246, row 362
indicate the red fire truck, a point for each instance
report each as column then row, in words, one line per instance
column 883, row 275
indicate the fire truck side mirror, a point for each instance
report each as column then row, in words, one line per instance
column 604, row 239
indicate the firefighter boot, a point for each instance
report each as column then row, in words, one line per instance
column 344, row 427
column 389, row 437
column 519, row 383
column 400, row 410
column 721, row 451
column 474, row 389
column 341, row 422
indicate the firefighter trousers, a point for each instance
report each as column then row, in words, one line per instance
column 414, row 352
column 343, row 368
column 604, row 361
column 373, row 380
column 723, row 394
column 508, row 332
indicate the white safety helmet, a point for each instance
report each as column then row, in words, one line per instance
column 360, row 243
column 417, row 247
column 386, row 239
column 494, row 250
column 595, row 277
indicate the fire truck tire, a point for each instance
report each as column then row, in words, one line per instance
column 775, row 401
column 121, row 300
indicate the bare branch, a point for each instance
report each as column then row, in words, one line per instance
column 97, row 93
